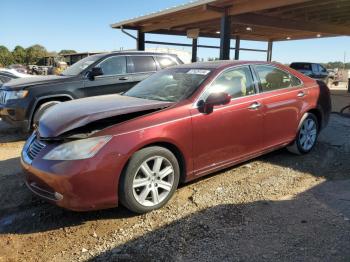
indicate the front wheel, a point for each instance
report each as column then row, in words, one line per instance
column 149, row 180
column 307, row 135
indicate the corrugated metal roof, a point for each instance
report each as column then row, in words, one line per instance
column 191, row 4
column 262, row 20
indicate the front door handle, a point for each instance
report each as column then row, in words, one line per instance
column 301, row 94
column 124, row 78
column 254, row 106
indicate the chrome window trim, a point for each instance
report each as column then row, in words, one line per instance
column 133, row 55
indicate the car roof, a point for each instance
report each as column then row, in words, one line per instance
column 134, row 53
column 102, row 55
column 219, row 64
column 309, row 63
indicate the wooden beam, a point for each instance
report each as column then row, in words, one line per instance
column 299, row 7
column 255, row 6
column 297, row 25
column 310, row 12
column 239, row 8
column 214, row 8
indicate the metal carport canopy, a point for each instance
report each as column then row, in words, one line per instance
column 260, row 20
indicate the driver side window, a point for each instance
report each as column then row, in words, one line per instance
column 236, row 82
column 115, row 65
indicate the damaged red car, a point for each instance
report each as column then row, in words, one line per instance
column 177, row 125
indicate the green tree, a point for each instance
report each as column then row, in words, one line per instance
column 64, row 52
column 6, row 58
column 35, row 53
column 19, row 55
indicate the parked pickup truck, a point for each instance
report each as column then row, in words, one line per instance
column 23, row 101
column 312, row 70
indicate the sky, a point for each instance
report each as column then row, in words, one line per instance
column 84, row 25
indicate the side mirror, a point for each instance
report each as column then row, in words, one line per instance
column 95, row 71
column 214, row 99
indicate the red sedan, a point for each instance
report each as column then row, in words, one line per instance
column 177, row 125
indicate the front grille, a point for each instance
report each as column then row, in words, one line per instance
column 2, row 97
column 34, row 148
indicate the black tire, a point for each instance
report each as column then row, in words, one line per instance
column 41, row 110
column 297, row 147
column 126, row 190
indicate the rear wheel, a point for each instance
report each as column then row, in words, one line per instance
column 149, row 180
column 307, row 135
column 41, row 110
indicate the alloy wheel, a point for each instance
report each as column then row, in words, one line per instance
column 153, row 181
column 308, row 134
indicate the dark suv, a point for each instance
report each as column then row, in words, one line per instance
column 313, row 70
column 23, row 101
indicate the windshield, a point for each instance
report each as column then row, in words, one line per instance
column 79, row 66
column 170, row 85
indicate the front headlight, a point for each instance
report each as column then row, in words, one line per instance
column 11, row 95
column 76, row 150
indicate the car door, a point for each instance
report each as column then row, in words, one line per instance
column 141, row 67
column 283, row 98
column 231, row 131
column 115, row 78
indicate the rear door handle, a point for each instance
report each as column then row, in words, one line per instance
column 254, row 106
column 124, row 78
column 301, row 94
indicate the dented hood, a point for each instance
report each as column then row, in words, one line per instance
column 70, row 115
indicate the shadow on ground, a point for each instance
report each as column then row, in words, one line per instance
column 11, row 134
column 292, row 230
column 313, row 226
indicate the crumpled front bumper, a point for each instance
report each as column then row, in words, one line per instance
column 79, row 185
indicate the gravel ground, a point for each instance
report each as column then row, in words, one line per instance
column 277, row 207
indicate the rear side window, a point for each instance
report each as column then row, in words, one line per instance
column 115, row 65
column 272, row 78
column 165, row 62
column 142, row 64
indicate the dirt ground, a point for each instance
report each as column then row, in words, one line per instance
column 277, row 207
